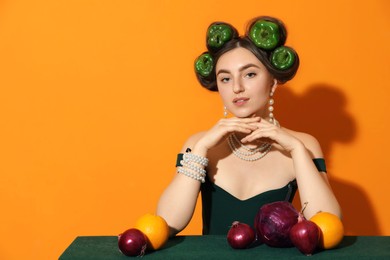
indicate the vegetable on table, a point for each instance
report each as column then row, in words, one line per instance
column 274, row 221
column 305, row 235
column 240, row 235
column 132, row 242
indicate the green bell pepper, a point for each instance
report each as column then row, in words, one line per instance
column 265, row 34
column 204, row 64
column 283, row 58
column 218, row 35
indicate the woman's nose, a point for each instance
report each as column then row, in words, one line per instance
column 238, row 87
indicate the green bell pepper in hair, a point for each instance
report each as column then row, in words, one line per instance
column 265, row 34
column 218, row 35
column 204, row 64
column 283, row 58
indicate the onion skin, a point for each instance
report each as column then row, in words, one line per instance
column 240, row 235
column 274, row 221
column 305, row 235
column 132, row 242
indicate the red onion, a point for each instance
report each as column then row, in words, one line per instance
column 132, row 242
column 240, row 235
column 274, row 221
column 305, row 235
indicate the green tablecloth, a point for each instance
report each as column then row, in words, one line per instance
column 216, row 247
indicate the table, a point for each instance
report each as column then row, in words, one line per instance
column 216, row 247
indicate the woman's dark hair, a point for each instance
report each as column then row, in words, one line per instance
column 264, row 56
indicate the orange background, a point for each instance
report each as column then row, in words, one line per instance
column 97, row 97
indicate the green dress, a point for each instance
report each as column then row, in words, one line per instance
column 220, row 209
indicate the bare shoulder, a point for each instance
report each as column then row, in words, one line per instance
column 192, row 140
column 309, row 141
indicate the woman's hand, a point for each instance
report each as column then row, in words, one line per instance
column 273, row 133
column 218, row 132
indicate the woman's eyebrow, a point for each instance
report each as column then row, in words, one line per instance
column 223, row 71
column 248, row 66
column 240, row 69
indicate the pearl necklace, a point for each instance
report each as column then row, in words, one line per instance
column 250, row 154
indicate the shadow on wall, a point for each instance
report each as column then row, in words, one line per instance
column 321, row 112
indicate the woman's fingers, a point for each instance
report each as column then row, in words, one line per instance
column 245, row 125
column 225, row 126
column 263, row 131
column 254, row 136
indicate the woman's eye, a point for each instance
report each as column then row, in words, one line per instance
column 225, row 80
column 250, row 75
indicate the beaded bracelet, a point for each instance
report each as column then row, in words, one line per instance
column 193, row 167
column 192, row 175
column 189, row 157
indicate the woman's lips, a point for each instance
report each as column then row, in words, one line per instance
column 240, row 101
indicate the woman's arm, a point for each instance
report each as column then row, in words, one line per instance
column 178, row 201
column 313, row 186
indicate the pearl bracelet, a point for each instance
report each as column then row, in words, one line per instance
column 193, row 167
column 191, row 174
column 189, row 157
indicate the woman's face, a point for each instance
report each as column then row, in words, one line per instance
column 244, row 83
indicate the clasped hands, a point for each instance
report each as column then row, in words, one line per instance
column 255, row 128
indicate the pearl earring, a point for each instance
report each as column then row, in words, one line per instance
column 271, row 107
column 225, row 112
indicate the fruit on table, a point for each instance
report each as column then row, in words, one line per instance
column 332, row 229
column 155, row 228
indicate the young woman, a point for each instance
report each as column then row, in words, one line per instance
column 249, row 159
